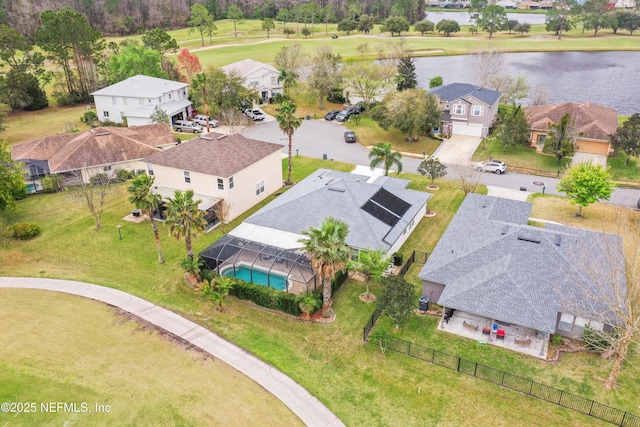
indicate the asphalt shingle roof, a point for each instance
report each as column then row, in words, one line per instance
column 591, row 120
column 141, row 86
column 454, row 91
column 339, row 195
column 214, row 154
column 495, row 265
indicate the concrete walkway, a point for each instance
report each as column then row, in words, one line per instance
column 300, row 401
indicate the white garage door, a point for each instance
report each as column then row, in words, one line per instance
column 467, row 129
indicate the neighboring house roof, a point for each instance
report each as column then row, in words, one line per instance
column 140, row 87
column 247, row 67
column 495, row 265
column 215, row 154
column 98, row 146
column 591, row 120
column 506, row 3
column 454, row 91
column 529, row 3
column 349, row 198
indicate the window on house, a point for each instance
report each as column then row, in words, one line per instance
column 446, row 106
column 187, row 177
column 184, row 92
column 114, row 101
column 476, row 110
column 169, row 96
column 107, row 168
column 274, row 80
column 541, row 138
column 458, row 109
column 141, row 101
column 124, row 101
column 150, row 168
column 260, row 188
column 220, row 184
column 105, row 113
column 231, row 183
column 576, row 324
column 254, row 82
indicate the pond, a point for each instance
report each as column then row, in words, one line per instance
column 606, row 78
column 463, row 18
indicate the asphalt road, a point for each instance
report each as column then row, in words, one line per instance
column 319, row 138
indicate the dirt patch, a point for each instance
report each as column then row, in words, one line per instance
column 367, row 297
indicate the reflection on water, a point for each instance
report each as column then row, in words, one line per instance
column 463, row 18
column 607, row 78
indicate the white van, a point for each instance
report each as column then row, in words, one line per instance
column 186, row 126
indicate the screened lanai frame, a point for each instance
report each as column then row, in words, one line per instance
column 233, row 252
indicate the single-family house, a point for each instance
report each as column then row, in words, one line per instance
column 135, row 99
column 467, row 109
column 380, row 215
column 230, row 168
column 512, row 284
column 98, row 150
column 263, row 78
column 591, row 123
column 529, row 4
column 507, row 4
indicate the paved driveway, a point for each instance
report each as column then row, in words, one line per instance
column 596, row 159
column 314, row 138
column 457, row 149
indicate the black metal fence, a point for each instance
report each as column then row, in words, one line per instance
column 507, row 380
column 416, row 256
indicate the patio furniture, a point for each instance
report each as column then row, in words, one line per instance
column 486, row 331
column 470, row 326
column 500, row 334
column 524, row 342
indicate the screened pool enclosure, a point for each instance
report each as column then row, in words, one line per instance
column 286, row 269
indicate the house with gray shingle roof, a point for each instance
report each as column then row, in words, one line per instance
column 258, row 76
column 137, row 97
column 240, row 170
column 466, row 109
column 380, row 214
column 491, row 268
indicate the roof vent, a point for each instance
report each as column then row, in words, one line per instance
column 528, row 239
column 222, row 136
column 336, row 189
column 557, row 240
column 207, row 137
column 102, row 133
column 505, row 230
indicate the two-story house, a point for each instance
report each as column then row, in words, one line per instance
column 263, row 78
column 238, row 170
column 467, row 109
column 137, row 97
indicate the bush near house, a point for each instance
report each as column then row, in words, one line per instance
column 25, row 230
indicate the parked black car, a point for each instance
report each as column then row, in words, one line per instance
column 343, row 116
column 349, row 137
column 331, row 114
column 359, row 107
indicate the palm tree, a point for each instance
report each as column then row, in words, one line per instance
column 288, row 79
column 185, row 219
column 371, row 264
column 147, row 202
column 328, row 253
column 381, row 153
column 288, row 123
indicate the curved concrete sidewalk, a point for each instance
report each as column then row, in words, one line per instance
column 309, row 409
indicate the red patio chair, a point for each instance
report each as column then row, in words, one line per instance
column 500, row 334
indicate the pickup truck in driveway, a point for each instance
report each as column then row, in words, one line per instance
column 255, row 115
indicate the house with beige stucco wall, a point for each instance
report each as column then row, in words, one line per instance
column 218, row 168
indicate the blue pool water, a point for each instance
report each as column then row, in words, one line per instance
column 259, row 277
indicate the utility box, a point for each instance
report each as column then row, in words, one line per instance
column 424, row 304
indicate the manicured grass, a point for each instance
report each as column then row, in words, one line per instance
column 359, row 384
column 307, row 104
column 369, row 133
column 63, row 348
column 519, row 157
column 25, row 126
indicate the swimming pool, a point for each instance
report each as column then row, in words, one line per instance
column 259, row 277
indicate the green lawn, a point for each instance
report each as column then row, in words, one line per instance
column 353, row 379
column 63, row 348
column 25, row 126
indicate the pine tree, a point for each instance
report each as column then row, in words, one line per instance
column 406, row 77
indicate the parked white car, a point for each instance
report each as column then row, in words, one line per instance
column 491, row 165
column 201, row 119
column 186, row 126
column 255, row 115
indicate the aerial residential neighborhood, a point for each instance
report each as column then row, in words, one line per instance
column 319, row 214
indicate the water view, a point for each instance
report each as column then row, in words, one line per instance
column 463, row 18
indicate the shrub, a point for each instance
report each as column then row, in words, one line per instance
column 380, row 337
column 336, row 96
column 279, row 98
column 89, row 118
column 338, row 280
column 51, row 183
column 596, row 341
column 64, row 98
column 25, row 230
column 397, row 259
column 556, row 339
column 123, row 174
column 267, row 297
